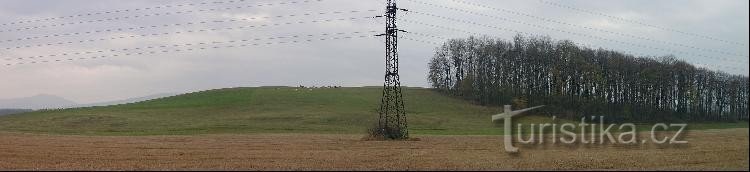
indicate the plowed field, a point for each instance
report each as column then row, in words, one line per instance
column 707, row 149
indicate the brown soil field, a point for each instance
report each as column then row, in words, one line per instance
column 707, row 150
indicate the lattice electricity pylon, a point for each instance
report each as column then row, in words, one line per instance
column 392, row 122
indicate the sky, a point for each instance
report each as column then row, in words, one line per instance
column 146, row 47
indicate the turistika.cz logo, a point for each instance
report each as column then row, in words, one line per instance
column 627, row 133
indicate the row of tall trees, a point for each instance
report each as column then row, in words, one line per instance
column 578, row 81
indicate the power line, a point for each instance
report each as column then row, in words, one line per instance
column 480, row 34
column 440, row 27
column 638, row 22
column 422, row 41
column 585, row 45
column 153, row 14
column 569, row 24
column 183, row 32
column 699, row 65
column 119, row 11
column 591, row 36
column 428, row 35
column 470, row 33
column 186, row 50
column 211, row 45
column 174, row 45
column 174, row 25
column 579, row 34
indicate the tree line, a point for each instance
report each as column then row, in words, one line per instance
column 575, row 81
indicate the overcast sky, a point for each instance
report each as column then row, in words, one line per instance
column 710, row 33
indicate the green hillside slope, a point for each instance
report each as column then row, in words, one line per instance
column 263, row 110
column 259, row 110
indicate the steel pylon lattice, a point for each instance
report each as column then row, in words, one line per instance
column 392, row 120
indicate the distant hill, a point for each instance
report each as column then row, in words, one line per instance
column 42, row 101
column 130, row 100
column 13, row 111
column 45, row 101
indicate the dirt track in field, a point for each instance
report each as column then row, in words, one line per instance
column 710, row 149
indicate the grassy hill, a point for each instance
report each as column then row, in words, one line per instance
column 259, row 110
column 263, row 110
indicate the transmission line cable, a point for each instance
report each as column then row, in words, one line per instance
column 579, row 34
column 161, row 48
column 638, row 22
column 151, row 15
column 568, row 24
column 53, row 35
column 183, row 32
column 580, row 44
column 17, row 22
